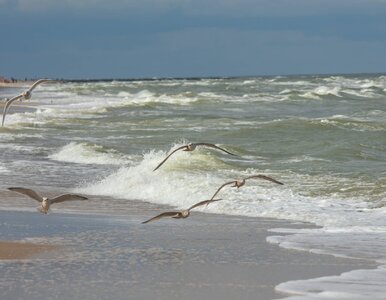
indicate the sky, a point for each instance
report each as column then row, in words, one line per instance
column 95, row 39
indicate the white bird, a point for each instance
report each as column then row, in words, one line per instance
column 45, row 202
column 240, row 183
column 25, row 95
column 180, row 214
column 191, row 147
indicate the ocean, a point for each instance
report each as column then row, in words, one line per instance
column 324, row 137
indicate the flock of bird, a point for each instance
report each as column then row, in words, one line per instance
column 46, row 202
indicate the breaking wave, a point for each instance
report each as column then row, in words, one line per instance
column 87, row 153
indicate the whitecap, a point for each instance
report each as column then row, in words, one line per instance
column 86, row 153
column 3, row 169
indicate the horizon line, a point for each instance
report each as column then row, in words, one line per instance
column 161, row 78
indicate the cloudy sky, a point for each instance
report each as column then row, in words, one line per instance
column 188, row 38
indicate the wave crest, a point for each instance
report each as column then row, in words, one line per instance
column 86, row 153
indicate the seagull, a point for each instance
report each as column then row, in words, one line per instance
column 191, row 147
column 46, row 202
column 25, row 95
column 240, row 183
column 180, row 214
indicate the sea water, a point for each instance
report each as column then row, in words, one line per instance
column 324, row 137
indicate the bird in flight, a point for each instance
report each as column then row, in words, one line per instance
column 180, row 214
column 25, row 95
column 241, row 182
column 45, row 202
column 191, row 147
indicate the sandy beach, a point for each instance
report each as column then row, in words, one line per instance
column 18, row 250
column 104, row 257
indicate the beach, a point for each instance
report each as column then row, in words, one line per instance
column 322, row 136
column 103, row 257
column 17, row 250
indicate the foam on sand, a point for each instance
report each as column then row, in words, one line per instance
column 364, row 284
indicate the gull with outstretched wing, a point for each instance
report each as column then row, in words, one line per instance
column 191, row 147
column 180, row 214
column 25, row 95
column 241, row 182
column 45, row 202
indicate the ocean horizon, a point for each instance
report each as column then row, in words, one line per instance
column 194, row 77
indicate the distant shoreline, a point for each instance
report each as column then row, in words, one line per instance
column 17, row 83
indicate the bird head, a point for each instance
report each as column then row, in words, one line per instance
column 27, row 95
column 185, row 213
column 190, row 147
column 236, row 184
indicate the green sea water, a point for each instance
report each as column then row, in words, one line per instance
column 326, row 131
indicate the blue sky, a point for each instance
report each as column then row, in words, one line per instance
column 187, row 38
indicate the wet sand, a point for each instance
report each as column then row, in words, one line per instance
column 20, row 250
column 116, row 257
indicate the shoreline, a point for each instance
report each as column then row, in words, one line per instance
column 227, row 257
column 16, row 84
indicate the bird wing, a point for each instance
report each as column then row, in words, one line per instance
column 7, row 105
column 28, row 192
column 36, row 83
column 218, row 190
column 164, row 214
column 67, row 197
column 203, row 203
column 162, row 162
column 214, row 146
column 264, row 177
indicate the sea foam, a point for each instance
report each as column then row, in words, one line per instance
column 364, row 284
column 179, row 182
